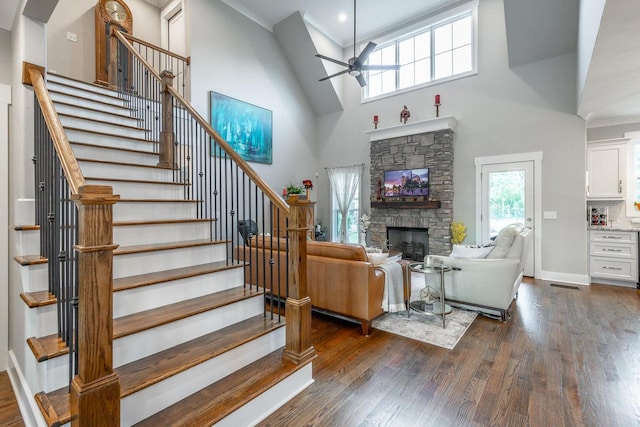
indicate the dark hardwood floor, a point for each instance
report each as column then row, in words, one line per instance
column 565, row 358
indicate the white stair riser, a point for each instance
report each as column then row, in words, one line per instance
column 148, row 262
column 79, row 87
column 90, row 114
column 44, row 320
column 113, row 106
column 157, row 233
column 34, row 277
column 268, row 402
column 143, row 404
column 107, row 154
column 64, row 93
column 110, row 170
column 147, row 297
column 139, row 211
column 27, row 242
column 79, row 123
column 53, row 374
column 141, row 190
column 78, row 135
column 137, row 346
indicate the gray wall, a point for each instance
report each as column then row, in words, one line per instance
column 236, row 57
column 77, row 59
column 5, row 57
column 611, row 132
column 501, row 111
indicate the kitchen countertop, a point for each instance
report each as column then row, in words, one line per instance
column 628, row 227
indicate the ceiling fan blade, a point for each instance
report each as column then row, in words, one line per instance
column 335, row 61
column 379, row 67
column 333, row 75
column 361, row 80
column 362, row 58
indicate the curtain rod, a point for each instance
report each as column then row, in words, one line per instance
column 359, row 164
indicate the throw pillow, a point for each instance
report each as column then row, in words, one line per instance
column 470, row 252
column 503, row 241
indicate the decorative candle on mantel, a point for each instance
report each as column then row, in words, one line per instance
column 375, row 121
column 437, row 105
column 437, row 99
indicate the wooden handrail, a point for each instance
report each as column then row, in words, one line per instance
column 246, row 168
column 154, row 47
column 60, row 141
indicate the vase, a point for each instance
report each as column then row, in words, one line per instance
column 308, row 192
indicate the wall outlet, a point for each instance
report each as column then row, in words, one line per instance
column 72, row 36
column 550, row 215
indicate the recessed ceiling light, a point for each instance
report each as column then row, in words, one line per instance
column 342, row 17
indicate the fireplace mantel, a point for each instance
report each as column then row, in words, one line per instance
column 414, row 128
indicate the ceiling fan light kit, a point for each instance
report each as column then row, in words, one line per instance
column 356, row 65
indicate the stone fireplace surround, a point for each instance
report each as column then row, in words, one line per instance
column 429, row 144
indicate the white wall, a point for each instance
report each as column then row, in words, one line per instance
column 5, row 101
column 5, row 56
column 77, row 59
column 234, row 56
column 501, row 111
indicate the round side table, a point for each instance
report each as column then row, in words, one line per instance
column 424, row 305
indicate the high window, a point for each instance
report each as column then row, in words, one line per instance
column 441, row 51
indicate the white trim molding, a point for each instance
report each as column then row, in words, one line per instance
column 414, row 128
column 5, row 101
column 554, row 276
column 536, row 157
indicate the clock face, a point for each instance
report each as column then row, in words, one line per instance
column 116, row 11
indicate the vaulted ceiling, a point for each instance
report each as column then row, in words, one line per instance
column 536, row 30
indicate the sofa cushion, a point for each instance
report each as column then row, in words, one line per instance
column 337, row 250
column 471, row 252
column 504, row 241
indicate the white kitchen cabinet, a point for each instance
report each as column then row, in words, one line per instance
column 613, row 256
column 606, row 170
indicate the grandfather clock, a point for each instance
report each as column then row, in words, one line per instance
column 109, row 13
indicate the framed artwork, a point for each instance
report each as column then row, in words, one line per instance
column 246, row 127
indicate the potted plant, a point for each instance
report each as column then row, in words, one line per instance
column 294, row 189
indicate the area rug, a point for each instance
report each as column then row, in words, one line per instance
column 427, row 328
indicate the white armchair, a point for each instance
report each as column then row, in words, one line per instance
column 490, row 284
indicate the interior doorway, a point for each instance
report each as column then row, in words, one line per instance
column 508, row 191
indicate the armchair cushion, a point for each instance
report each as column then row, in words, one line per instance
column 471, row 252
column 504, row 240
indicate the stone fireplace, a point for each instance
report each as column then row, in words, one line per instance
column 412, row 242
column 425, row 144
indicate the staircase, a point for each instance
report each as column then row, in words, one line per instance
column 192, row 345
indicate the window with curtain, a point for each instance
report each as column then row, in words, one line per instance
column 345, row 212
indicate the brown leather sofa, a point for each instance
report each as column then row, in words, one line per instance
column 340, row 279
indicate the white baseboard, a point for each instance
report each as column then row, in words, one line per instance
column 578, row 279
column 29, row 410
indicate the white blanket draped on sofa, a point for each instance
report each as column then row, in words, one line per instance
column 393, row 297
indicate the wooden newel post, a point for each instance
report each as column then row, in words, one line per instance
column 95, row 390
column 112, row 67
column 298, row 347
column 166, row 134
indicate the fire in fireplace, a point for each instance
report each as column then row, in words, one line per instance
column 412, row 242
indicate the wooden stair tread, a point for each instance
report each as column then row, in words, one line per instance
column 113, row 162
column 30, row 260
column 153, row 247
column 26, row 227
column 140, row 181
column 104, row 122
column 140, row 280
column 50, row 346
column 38, row 298
column 145, row 372
column 162, row 221
column 106, row 147
column 95, row 132
column 215, row 402
column 148, row 319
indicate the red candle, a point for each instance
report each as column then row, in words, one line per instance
column 375, row 118
column 437, row 99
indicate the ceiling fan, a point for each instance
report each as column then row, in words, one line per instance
column 356, row 64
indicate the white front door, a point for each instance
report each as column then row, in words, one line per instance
column 507, row 198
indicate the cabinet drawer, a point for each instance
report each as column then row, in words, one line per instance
column 617, row 269
column 614, row 236
column 605, row 249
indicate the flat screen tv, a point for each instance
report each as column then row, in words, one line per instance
column 406, row 183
